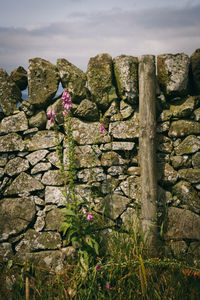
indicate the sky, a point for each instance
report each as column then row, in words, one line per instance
column 79, row 29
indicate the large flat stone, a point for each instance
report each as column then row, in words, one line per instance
column 182, row 224
column 125, row 129
column 11, row 142
column 126, row 74
column 15, row 215
column 22, row 184
column 43, row 80
column 14, row 123
column 43, row 139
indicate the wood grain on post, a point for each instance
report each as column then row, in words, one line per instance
column 147, row 150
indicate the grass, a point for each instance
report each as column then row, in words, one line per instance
column 124, row 271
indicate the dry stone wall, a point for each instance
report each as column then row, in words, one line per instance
column 108, row 168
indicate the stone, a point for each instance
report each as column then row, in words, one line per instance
column 164, row 144
column 194, row 250
column 126, row 76
column 190, row 175
column 197, row 114
column 43, row 80
column 165, row 115
column 16, row 166
column 179, row 248
column 52, row 260
column 38, row 200
column 55, row 195
column 130, row 219
column 52, row 177
column 166, row 173
column 183, row 128
column 115, row 205
column 187, row 195
column 23, row 183
column 3, row 159
column 183, row 108
column 86, row 156
column 182, row 224
column 43, row 139
column 54, row 219
column 6, row 252
column 162, row 127
column 15, row 216
column 128, row 129
column 1, row 172
column 134, row 171
column 164, row 197
column 19, row 76
column 34, row 240
column 10, row 94
column 111, row 158
column 112, row 112
column 41, row 167
column 39, row 120
column 91, row 175
column 115, row 170
column 122, row 146
column 39, row 224
column 195, row 70
column 131, row 187
column 189, row 145
column 14, row 123
column 27, row 108
column 109, row 185
column 87, row 110
column 11, row 142
column 173, row 72
column 83, row 191
column 126, row 110
column 88, row 133
column 54, row 159
column 180, row 161
column 196, row 160
column 36, row 156
column 100, row 80
column 72, row 78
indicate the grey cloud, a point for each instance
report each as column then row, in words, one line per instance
column 115, row 32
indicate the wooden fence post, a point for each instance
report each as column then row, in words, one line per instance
column 147, row 150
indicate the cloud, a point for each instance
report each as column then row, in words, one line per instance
column 147, row 31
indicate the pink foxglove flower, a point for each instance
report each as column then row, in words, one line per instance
column 98, row 268
column 66, row 101
column 84, row 211
column 102, row 129
column 108, row 287
column 89, row 217
column 51, row 114
column 87, row 239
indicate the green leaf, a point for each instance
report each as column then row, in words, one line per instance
column 68, row 212
column 65, row 226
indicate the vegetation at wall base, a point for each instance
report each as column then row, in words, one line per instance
column 124, row 272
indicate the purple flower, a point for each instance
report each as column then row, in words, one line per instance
column 98, row 268
column 108, row 287
column 89, row 217
column 87, row 239
column 84, row 211
column 102, row 129
column 51, row 114
column 66, row 101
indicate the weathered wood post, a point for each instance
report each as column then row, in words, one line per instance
column 147, row 150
